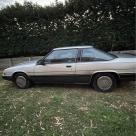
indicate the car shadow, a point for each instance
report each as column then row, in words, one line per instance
column 63, row 85
column 122, row 86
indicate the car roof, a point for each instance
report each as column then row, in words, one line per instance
column 73, row 47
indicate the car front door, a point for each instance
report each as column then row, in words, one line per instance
column 59, row 67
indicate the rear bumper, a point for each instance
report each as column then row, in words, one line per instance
column 9, row 78
column 128, row 76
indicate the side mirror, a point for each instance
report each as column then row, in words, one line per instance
column 40, row 62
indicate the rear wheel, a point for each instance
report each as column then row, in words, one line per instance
column 104, row 82
column 22, row 81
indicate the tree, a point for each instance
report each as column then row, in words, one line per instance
column 30, row 29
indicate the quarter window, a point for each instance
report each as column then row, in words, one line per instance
column 92, row 54
column 87, row 55
column 62, row 56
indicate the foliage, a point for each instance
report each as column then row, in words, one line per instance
column 30, row 29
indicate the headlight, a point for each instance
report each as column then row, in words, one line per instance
column 5, row 73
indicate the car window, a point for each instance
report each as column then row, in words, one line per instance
column 87, row 55
column 92, row 54
column 62, row 56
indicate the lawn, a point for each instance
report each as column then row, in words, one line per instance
column 67, row 110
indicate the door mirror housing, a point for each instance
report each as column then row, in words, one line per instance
column 40, row 62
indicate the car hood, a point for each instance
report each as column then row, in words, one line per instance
column 22, row 67
column 27, row 63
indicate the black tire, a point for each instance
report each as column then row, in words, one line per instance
column 24, row 81
column 107, row 79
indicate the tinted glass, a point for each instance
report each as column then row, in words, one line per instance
column 62, row 56
column 92, row 54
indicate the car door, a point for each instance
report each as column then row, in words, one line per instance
column 59, row 67
column 84, row 66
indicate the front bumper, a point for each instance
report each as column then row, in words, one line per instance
column 9, row 78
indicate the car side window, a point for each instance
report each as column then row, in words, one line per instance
column 87, row 55
column 62, row 56
column 92, row 54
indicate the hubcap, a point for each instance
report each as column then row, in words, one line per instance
column 21, row 81
column 104, row 83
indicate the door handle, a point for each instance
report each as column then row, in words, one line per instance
column 68, row 66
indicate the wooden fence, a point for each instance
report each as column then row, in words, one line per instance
column 8, row 62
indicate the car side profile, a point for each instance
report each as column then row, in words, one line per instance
column 74, row 65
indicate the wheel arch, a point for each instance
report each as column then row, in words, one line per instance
column 18, row 72
column 113, row 73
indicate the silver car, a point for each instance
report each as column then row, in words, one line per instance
column 74, row 65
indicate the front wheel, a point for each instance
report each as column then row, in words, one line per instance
column 22, row 81
column 104, row 82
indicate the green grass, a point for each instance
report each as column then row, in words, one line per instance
column 67, row 110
